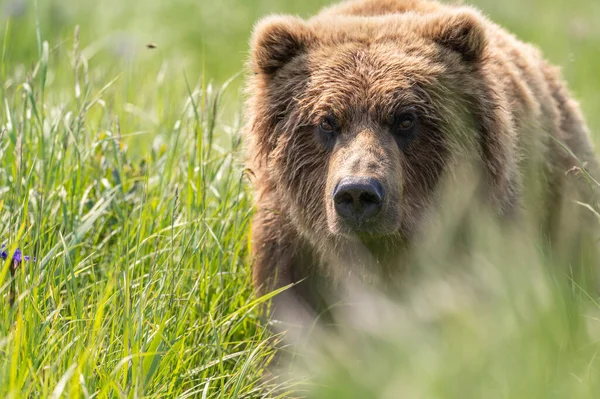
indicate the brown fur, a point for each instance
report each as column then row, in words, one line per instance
column 482, row 97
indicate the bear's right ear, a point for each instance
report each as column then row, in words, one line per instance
column 276, row 40
column 461, row 31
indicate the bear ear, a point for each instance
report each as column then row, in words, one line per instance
column 461, row 31
column 275, row 41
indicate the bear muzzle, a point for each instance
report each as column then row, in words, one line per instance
column 358, row 200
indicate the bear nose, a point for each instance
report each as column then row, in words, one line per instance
column 358, row 198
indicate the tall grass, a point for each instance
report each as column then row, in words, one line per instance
column 140, row 286
column 121, row 173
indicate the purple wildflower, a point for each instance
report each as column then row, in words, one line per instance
column 17, row 256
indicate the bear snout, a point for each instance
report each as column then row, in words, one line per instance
column 358, row 200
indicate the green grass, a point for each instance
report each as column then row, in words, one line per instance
column 121, row 171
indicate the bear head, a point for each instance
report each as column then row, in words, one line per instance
column 354, row 120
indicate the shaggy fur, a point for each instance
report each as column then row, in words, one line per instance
column 482, row 97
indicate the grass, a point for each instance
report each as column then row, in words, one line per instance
column 141, row 285
column 121, row 172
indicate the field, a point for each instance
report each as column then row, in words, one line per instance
column 121, row 173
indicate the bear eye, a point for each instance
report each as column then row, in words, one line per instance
column 404, row 127
column 405, row 122
column 328, row 125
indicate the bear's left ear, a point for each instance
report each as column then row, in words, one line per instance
column 461, row 31
column 276, row 40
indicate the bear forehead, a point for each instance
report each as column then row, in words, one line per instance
column 359, row 64
column 407, row 28
column 370, row 77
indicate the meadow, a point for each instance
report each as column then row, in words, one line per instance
column 121, row 173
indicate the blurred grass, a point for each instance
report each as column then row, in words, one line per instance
column 211, row 36
column 120, row 170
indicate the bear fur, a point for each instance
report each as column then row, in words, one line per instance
column 481, row 96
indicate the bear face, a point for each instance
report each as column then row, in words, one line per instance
column 356, row 119
column 360, row 120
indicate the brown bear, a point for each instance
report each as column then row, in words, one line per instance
column 355, row 115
